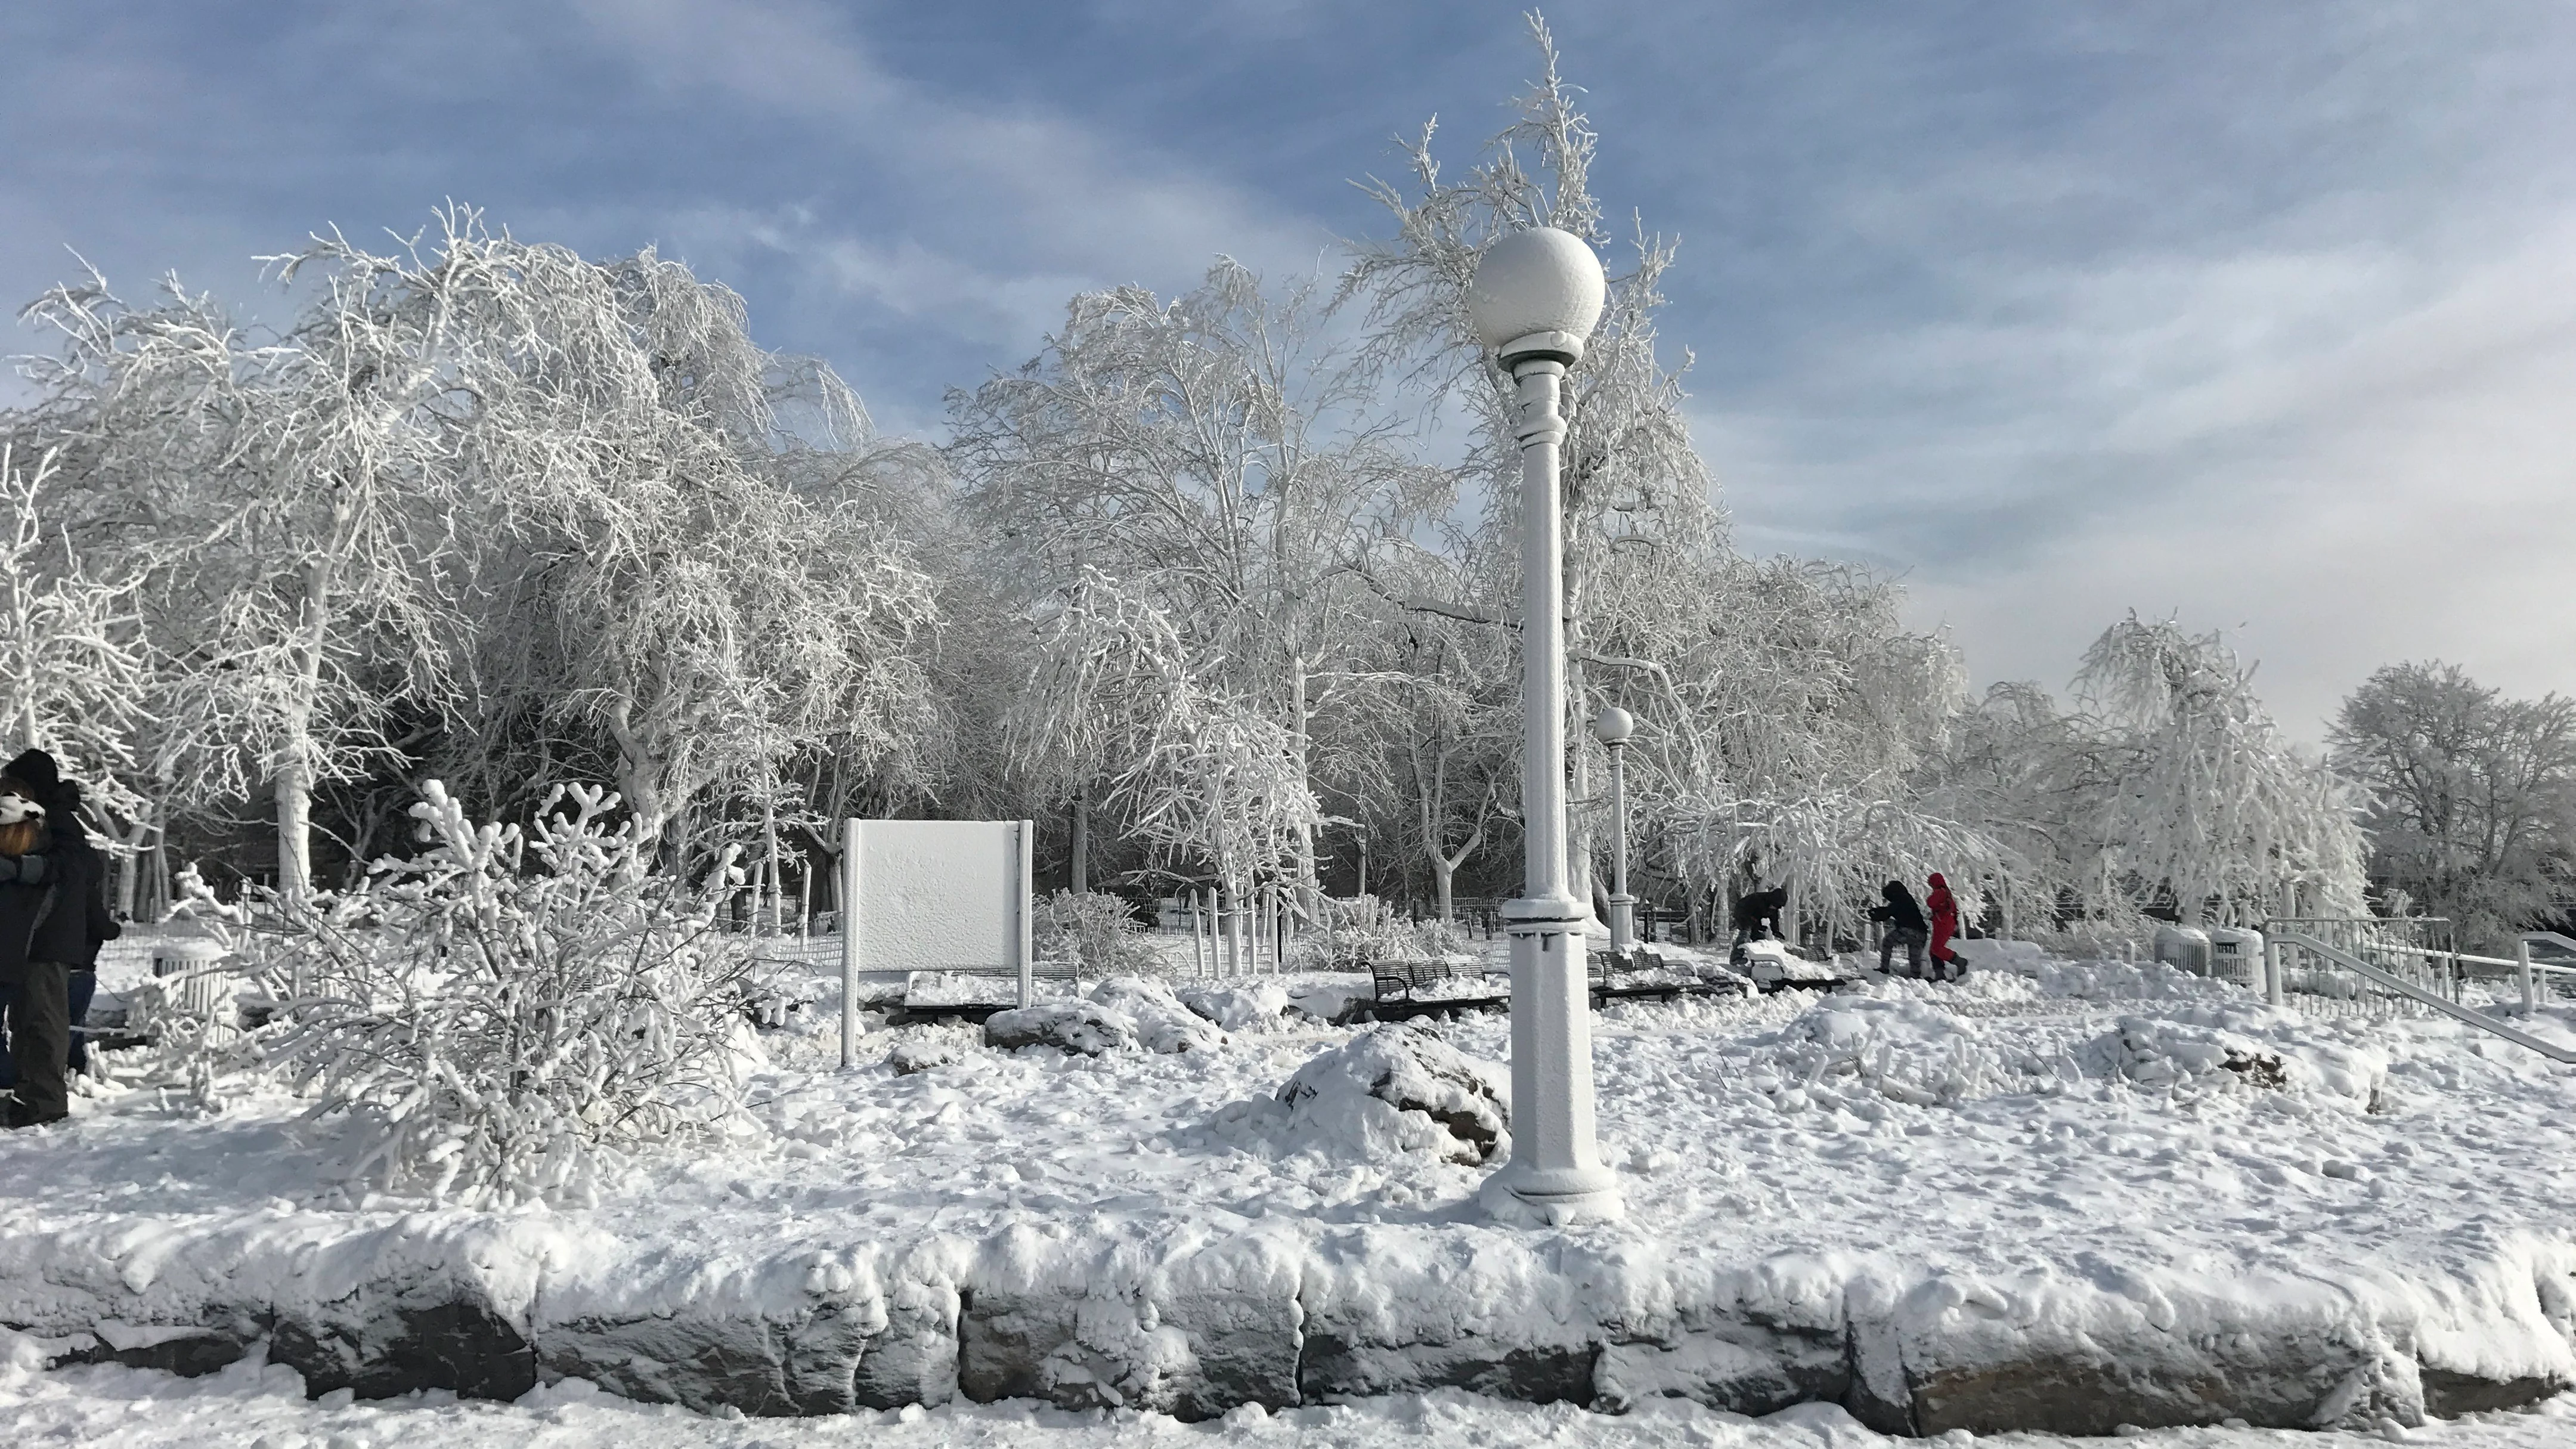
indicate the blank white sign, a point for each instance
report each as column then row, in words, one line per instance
column 941, row 895
column 932, row 895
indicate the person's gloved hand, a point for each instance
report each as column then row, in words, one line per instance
column 28, row 869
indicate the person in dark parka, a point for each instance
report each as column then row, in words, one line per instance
column 65, row 935
column 1757, row 914
column 1905, row 926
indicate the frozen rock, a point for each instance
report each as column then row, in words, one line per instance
column 2216, row 1049
column 1398, row 1088
column 1163, row 1024
column 1207, row 1328
column 1123, row 1013
column 1260, row 1007
column 1074, row 1025
column 921, row 1053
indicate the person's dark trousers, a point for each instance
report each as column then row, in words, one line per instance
column 40, row 1041
column 1911, row 938
column 84, row 986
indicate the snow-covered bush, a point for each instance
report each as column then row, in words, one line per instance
column 1355, row 941
column 1092, row 929
column 1396, row 1089
column 495, row 1014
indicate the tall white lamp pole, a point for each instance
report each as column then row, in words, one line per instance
column 1535, row 298
column 1612, row 727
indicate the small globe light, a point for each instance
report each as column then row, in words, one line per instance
column 1537, row 292
column 1613, row 725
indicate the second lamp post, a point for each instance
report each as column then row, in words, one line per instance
column 1612, row 727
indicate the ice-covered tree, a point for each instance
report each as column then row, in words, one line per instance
column 1213, row 460
column 75, row 673
column 2473, row 795
column 1206, row 774
column 293, row 549
column 2211, row 807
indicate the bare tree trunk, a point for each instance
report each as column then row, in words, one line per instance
column 1082, row 839
column 294, row 821
column 769, row 864
column 1306, row 876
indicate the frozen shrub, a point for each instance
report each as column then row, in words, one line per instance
column 1359, row 934
column 1094, row 930
column 497, row 1013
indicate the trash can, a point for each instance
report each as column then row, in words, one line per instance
column 185, row 956
column 2236, row 954
column 190, row 994
column 2185, row 947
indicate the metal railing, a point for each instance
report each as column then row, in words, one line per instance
column 2395, row 986
column 2300, row 966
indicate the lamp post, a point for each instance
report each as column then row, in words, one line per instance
column 1612, row 727
column 1534, row 299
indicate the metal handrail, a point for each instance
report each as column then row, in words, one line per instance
column 2404, row 987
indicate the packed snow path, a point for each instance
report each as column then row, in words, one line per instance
column 2093, row 1195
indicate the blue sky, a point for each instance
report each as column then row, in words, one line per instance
column 2265, row 314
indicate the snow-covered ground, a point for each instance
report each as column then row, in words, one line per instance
column 2069, row 1155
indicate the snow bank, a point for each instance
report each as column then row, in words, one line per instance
column 1988, row 954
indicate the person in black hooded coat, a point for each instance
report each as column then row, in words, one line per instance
column 1905, row 926
column 65, row 938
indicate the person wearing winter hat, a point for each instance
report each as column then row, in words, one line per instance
column 1905, row 927
column 1945, row 924
column 64, row 941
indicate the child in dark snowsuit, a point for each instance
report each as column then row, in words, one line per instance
column 1945, row 924
column 1904, row 927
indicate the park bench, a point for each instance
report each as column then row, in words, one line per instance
column 1411, row 987
column 923, row 1002
column 1647, row 976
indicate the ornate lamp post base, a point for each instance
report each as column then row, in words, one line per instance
column 1555, row 1175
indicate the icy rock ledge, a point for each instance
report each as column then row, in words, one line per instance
column 1396, row 1089
column 1183, row 1317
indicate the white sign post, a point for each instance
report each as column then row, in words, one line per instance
column 932, row 895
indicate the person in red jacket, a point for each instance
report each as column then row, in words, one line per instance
column 1945, row 924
